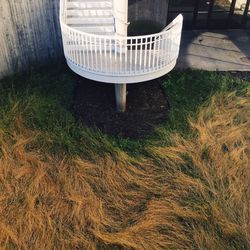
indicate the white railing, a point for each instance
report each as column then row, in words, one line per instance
column 121, row 56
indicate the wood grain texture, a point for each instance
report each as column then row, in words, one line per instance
column 29, row 34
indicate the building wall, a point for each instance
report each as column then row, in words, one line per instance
column 29, row 34
column 156, row 10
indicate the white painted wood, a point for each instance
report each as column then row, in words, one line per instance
column 95, row 76
column 90, row 16
column 89, row 4
column 90, row 13
column 121, row 17
column 97, row 29
column 117, row 58
column 30, row 33
column 85, row 21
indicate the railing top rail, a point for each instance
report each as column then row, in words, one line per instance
column 118, row 37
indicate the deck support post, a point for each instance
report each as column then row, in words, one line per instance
column 121, row 96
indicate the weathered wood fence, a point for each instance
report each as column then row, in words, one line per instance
column 30, row 32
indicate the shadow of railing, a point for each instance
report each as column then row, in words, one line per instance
column 220, row 50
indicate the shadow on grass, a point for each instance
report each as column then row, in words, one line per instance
column 43, row 100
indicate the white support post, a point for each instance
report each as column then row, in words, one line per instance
column 121, row 17
column 121, row 96
column 121, row 23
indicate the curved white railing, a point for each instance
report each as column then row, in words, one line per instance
column 120, row 59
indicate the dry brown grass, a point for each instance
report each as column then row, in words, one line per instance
column 194, row 195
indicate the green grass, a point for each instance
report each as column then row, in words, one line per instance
column 189, row 90
column 43, row 99
column 67, row 186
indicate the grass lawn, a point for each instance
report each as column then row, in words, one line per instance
column 66, row 186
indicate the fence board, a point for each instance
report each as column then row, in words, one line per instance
column 29, row 34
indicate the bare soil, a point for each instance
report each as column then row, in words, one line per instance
column 147, row 107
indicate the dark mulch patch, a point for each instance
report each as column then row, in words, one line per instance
column 147, row 106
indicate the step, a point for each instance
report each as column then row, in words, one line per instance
column 89, row 5
column 90, row 21
column 100, row 30
column 90, row 1
column 89, row 13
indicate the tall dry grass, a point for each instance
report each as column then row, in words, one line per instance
column 213, row 173
column 194, row 195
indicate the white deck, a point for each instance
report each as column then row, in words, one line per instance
column 113, row 58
